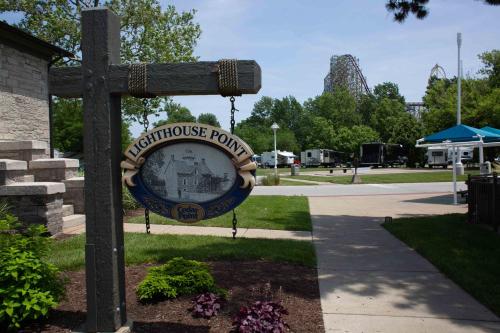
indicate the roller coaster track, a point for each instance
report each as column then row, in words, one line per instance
column 344, row 71
column 359, row 73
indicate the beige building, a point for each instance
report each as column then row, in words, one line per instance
column 24, row 103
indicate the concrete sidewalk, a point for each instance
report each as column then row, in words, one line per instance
column 209, row 231
column 372, row 282
column 358, row 189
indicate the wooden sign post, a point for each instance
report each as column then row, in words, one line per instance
column 101, row 81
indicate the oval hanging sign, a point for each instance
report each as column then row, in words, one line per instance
column 189, row 171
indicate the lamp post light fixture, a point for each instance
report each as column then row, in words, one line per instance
column 274, row 128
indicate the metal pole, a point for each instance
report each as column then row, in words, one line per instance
column 455, row 201
column 459, row 77
column 275, row 156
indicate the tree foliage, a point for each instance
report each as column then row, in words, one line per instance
column 402, row 8
column 480, row 98
column 68, row 127
column 208, row 119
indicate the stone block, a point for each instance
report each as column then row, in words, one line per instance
column 12, row 171
column 32, row 188
column 23, row 150
column 54, row 163
column 75, row 194
column 23, row 145
column 36, row 204
column 54, row 169
column 8, row 164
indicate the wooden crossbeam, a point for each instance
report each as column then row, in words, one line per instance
column 196, row 78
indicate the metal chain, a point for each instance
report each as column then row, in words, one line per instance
column 233, row 109
column 145, row 122
column 235, row 221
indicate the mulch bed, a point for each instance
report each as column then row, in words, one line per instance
column 296, row 286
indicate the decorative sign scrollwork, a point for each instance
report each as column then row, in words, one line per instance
column 189, row 171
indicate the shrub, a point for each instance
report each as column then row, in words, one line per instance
column 29, row 286
column 175, row 278
column 271, row 180
column 129, row 202
column 206, row 305
column 261, row 317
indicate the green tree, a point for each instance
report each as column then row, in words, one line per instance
column 258, row 139
column 385, row 116
column 479, row 105
column 320, row 134
column 402, row 8
column 68, row 127
column 209, row 119
column 349, row 140
column 491, row 69
column 366, row 107
column 287, row 112
column 338, row 107
column 405, row 131
column 176, row 113
column 388, row 90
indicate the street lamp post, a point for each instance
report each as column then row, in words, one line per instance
column 457, row 163
column 274, row 128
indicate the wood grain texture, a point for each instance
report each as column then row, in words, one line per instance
column 197, row 78
column 105, row 277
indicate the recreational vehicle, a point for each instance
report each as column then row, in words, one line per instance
column 320, row 157
column 285, row 159
column 443, row 156
column 437, row 156
column 466, row 154
column 381, row 154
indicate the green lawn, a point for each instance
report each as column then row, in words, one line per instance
column 467, row 254
column 416, row 177
column 261, row 212
column 263, row 172
column 142, row 248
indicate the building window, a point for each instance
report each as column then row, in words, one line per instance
column 184, row 181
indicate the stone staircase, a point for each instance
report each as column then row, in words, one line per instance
column 71, row 221
column 41, row 190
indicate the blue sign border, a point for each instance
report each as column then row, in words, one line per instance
column 172, row 209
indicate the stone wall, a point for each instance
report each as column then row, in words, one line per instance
column 36, row 203
column 24, row 110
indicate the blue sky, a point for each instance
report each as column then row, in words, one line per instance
column 293, row 40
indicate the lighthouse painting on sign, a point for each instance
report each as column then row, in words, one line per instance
column 188, row 172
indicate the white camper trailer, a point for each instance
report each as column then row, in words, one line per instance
column 443, row 156
column 437, row 156
column 285, row 159
column 320, row 157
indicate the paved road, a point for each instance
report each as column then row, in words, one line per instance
column 360, row 189
column 372, row 282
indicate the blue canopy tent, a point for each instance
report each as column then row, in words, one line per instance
column 462, row 136
column 491, row 130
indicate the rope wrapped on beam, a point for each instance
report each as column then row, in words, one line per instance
column 228, row 78
column 138, row 81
